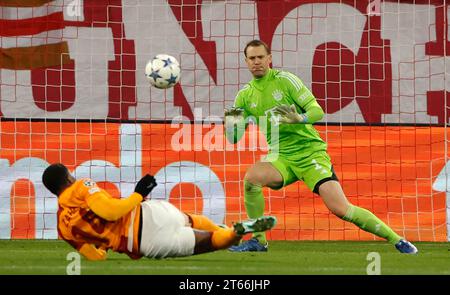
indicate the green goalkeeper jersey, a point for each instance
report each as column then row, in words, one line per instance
column 261, row 96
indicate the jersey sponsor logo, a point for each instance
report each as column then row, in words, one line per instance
column 277, row 94
column 253, row 105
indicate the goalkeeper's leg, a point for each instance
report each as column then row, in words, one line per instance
column 335, row 199
column 254, row 205
column 258, row 176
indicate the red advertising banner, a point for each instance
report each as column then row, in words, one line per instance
column 388, row 170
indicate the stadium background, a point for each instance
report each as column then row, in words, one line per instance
column 72, row 89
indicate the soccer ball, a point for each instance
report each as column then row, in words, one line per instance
column 163, row 71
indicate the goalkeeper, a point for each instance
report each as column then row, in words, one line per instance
column 280, row 101
column 93, row 222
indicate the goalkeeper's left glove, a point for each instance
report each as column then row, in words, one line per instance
column 289, row 115
column 235, row 112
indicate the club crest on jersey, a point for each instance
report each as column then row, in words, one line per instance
column 89, row 183
column 277, row 94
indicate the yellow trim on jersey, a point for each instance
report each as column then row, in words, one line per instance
column 112, row 209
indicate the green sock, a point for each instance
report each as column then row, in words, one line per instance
column 367, row 221
column 254, row 205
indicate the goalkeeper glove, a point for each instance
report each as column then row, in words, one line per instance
column 145, row 185
column 235, row 112
column 289, row 115
column 233, row 117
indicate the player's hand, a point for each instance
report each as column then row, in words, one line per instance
column 233, row 116
column 145, row 185
column 288, row 114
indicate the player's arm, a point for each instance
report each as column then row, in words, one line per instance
column 311, row 111
column 288, row 114
column 90, row 252
column 112, row 209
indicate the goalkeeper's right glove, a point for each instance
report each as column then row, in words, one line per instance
column 233, row 116
column 145, row 185
column 234, row 112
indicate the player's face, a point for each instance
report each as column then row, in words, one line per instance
column 258, row 60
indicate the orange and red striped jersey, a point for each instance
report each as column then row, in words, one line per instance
column 92, row 221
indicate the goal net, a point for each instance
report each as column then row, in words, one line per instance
column 73, row 90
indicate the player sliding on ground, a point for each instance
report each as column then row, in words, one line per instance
column 93, row 222
column 280, row 101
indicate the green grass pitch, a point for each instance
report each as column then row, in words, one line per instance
column 284, row 257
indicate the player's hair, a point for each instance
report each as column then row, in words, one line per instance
column 55, row 177
column 256, row 43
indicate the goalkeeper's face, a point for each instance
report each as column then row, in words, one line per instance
column 258, row 60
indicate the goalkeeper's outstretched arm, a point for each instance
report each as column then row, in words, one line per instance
column 235, row 124
column 314, row 112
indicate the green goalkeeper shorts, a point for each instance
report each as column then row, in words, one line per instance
column 312, row 170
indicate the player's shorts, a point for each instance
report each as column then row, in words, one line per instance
column 313, row 170
column 164, row 232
